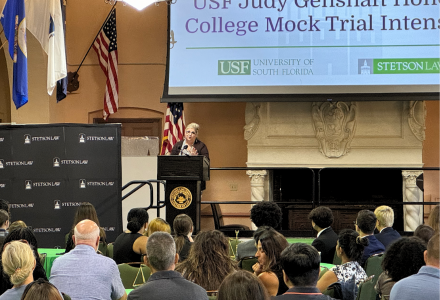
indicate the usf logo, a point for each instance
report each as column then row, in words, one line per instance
column 234, row 67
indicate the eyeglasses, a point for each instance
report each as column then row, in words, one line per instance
column 190, row 132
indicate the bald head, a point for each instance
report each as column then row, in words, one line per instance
column 86, row 233
column 432, row 254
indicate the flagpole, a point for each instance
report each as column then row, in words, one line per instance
column 96, row 36
column 4, row 42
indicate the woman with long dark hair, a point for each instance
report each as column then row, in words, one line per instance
column 129, row 246
column 350, row 248
column 208, row 262
column 183, row 228
column 270, row 244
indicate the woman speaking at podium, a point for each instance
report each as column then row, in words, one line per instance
column 190, row 145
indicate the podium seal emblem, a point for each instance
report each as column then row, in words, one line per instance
column 181, row 197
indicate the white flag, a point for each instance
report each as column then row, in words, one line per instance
column 44, row 20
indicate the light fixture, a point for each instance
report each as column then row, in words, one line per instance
column 139, row 4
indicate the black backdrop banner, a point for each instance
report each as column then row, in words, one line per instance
column 46, row 171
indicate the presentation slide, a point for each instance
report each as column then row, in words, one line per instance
column 304, row 46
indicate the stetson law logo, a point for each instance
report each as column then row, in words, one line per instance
column 15, row 163
column 84, row 183
column 57, row 162
column 28, row 138
column 2, row 139
column 83, row 138
column 29, row 184
column 2, row 185
column 2, row 164
column 47, row 230
column 21, row 205
column 57, row 204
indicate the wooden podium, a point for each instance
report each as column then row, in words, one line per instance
column 183, row 175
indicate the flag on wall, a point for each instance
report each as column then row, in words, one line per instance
column 45, row 21
column 174, row 128
column 106, row 47
column 13, row 21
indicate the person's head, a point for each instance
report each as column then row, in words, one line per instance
column 18, row 262
column 5, row 206
column 351, row 245
column 385, row 217
column 41, row 289
column 161, row 251
column 432, row 255
column 365, row 222
column 4, row 219
column 270, row 244
column 424, row 232
column 182, row 226
column 86, row 232
column 23, row 234
column 242, row 285
column 191, row 133
column 208, row 261
column 434, row 217
column 301, row 265
column 85, row 211
column 158, row 224
column 266, row 213
column 17, row 225
column 404, row 257
column 322, row 217
column 137, row 219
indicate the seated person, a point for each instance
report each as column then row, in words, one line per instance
column 208, row 262
column 403, row 258
column 242, row 285
column 270, row 244
column 18, row 263
column 325, row 242
column 41, row 290
column 130, row 246
column 157, row 224
column 301, row 267
column 349, row 248
column 365, row 224
column 424, row 232
column 384, row 224
column 183, row 228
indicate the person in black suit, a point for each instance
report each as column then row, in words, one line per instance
column 384, row 223
column 325, row 242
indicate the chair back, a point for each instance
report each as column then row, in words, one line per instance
column 132, row 275
column 323, row 271
column 110, row 250
column 373, row 266
column 217, row 215
column 367, row 291
column 42, row 258
column 247, row 262
column 102, row 247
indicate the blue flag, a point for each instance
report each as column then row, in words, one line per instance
column 13, row 21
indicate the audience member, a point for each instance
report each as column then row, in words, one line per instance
column 183, row 228
column 17, row 225
column 424, row 284
column 301, row 267
column 84, row 274
column 365, row 224
column 325, row 242
column 424, row 232
column 86, row 211
column 5, row 206
column 164, row 282
column 270, row 244
column 208, row 262
column 28, row 235
column 41, row 290
column 4, row 225
column 129, row 246
column 157, row 224
column 433, row 219
column 403, row 258
column 384, row 224
column 18, row 263
column 349, row 248
column 242, row 285
column 264, row 213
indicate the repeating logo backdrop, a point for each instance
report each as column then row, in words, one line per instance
column 46, row 171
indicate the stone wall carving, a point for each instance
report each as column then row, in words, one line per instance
column 335, row 126
column 252, row 116
column 413, row 216
column 257, row 184
column 416, row 119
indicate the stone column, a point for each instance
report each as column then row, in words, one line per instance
column 413, row 214
column 257, row 186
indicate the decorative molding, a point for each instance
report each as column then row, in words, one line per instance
column 257, row 184
column 334, row 125
column 252, row 116
column 416, row 119
column 412, row 213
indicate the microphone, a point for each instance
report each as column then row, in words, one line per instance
column 184, row 149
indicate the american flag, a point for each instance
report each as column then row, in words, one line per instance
column 174, row 127
column 106, row 47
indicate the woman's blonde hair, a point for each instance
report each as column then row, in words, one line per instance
column 158, row 224
column 195, row 126
column 18, row 261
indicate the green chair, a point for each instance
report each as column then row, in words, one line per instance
column 373, row 266
column 247, row 262
column 110, row 250
column 103, row 248
column 132, row 275
column 336, row 260
column 233, row 243
column 42, row 258
column 322, row 272
column 366, row 291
